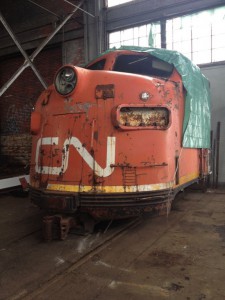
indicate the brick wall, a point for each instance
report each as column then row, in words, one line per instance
column 17, row 102
column 73, row 52
column 15, row 156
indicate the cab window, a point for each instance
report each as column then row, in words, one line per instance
column 143, row 65
column 99, row 65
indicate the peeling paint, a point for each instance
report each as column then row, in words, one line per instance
column 144, row 117
column 78, row 107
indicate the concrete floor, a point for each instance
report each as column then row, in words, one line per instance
column 179, row 257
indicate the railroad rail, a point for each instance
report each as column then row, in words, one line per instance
column 102, row 243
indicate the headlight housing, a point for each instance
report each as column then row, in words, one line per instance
column 65, row 80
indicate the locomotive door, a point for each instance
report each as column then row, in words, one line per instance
column 59, row 158
column 74, row 153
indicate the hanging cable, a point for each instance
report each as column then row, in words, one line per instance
column 86, row 12
column 44, row 8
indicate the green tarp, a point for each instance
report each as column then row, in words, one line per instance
column 197, row 118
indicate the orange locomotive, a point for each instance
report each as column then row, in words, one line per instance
column 107, row 140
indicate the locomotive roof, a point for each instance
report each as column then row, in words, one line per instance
column 197, row 119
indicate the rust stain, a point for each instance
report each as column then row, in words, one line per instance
column 104, row 91
column 144, row 117
column 78, row 107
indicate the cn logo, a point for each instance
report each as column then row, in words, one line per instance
column 76, row 143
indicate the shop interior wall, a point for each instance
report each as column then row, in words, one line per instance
column 216, row 76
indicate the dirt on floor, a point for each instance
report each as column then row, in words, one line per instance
column 181, row 256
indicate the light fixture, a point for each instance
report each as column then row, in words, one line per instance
column 144, row 96
column 65, row 80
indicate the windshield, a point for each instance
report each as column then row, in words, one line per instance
column 143, row 65
column 99, row 65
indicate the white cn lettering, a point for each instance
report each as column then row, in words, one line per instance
column 47, row 169
column 76, row 143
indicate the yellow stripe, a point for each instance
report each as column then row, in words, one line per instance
column 122, row 189
column 187, row 178
column 110, row 189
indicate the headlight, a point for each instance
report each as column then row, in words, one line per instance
column 65, row 80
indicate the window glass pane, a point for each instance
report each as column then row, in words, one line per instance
column 127, row 34
column 218, row 41
column 202, row 57
column 218, row 27
column 117, row 2
column 177, row 35
column 186, row 46
column 143, row 41
column 114, row 37
column 200, row 31
column 142, row 30
column 169, row 46
column 186, row 21
column 136, row 42
column 186, row 33
column 178, row 46
column 169, row 27
column 218, row 54
column 201, row 18
column 169, row 39
column 177, row 23
column 114, row 45
column 136, row 32
column 201, row 44
column 219, row 14
column 188, row 55
column 157, row 41
column 128, row 43
column 156, row 28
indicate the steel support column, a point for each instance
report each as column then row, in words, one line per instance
column 95, row 37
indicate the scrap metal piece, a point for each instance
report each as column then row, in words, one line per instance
column 57, row 227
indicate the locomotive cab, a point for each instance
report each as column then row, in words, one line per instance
column 107, row 140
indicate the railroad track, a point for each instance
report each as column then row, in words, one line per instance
column 96, row 249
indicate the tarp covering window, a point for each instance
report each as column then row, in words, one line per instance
column 197, row 118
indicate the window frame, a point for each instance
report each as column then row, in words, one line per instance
column 193, row 53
